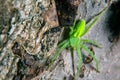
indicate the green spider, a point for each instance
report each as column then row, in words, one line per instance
column 77, row 31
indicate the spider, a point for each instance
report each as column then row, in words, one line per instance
column 77, row 31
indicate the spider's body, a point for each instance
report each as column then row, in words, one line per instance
column 75, row 33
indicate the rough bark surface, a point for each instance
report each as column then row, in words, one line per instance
column 27, row 37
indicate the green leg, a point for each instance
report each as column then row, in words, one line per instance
column 80, row 63
column 62, row 43
column 58, row 52
column 91, row 53
column 92, row 22
column 91, row 42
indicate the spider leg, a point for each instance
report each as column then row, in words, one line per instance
column 80, row 62
column 91, row 54
column 58, row 52
column 91, row 42
column 93, row 21
column 62, row 43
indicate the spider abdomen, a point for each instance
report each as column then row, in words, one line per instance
column 79, row 28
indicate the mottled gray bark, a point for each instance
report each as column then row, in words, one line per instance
column 27, row 36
